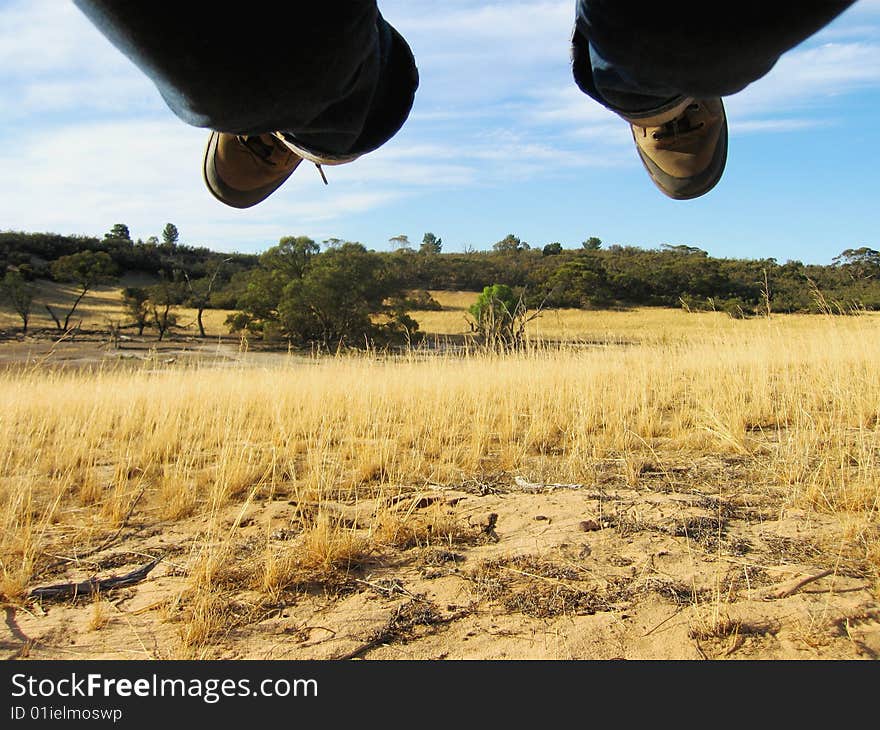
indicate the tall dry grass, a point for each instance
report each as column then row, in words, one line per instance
column 795, row 399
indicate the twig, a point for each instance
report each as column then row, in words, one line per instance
column 390, row 590
column 667, row 619
column 93, row 585
column 528, row 486
column 386, row 637
column 784, row 590
column 109, row 541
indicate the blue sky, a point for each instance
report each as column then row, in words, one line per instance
column 499, row 141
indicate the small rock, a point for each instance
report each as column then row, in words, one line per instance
column 540, row 517
column 589, row 526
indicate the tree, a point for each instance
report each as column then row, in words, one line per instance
column 552, row 249
column 859, row 263
column 170, row 236
column 431, row 244
column 500, row 317
column 135, row 301
column 291, row 257
column 592, row 244
column 578, row 283
column 279, row 266
column 683, row 249
column 510, row 244
column 400, row 242
column 163, row 297
column 119, row 231
column 86, row 269
column 19, row 293
column 199, row 293
column 334, row 301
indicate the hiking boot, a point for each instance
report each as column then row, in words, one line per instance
column 684, row 148
column 242, row 170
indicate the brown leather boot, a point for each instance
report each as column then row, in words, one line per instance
column 242, row 170
column 684, row 149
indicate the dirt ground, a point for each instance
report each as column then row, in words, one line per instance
column 594, row 571
column 651, row 569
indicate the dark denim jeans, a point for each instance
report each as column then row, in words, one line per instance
column 636, row 57
column 338, row 80
column 333, row 75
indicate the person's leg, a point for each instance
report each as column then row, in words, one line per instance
column 664, row 69
column 331, row 78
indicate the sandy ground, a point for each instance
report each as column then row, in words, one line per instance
column 595, row 571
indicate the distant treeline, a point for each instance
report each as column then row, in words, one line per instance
column 589, row 276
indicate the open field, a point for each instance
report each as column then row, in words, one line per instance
column 667, row 485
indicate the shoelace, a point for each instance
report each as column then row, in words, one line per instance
column 264, row 151
column 675, row 128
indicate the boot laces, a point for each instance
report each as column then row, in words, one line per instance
column 259, row 148
column 679, row 126
column 265, row 151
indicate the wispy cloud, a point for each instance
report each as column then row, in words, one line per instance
column 94, row 144
column 754, row 126
column 807, row 83
column 53, row 60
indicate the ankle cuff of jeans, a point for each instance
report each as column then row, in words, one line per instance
column 391, row 106
column 311, row 155
column 659, row 115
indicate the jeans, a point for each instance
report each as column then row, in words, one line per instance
column 339, row 81
column 334, row 76
column 636, row 60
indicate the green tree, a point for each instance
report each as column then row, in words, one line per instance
column 291, row 257
column 135, row 302
column 552, row 249
column 510, row 244
column 17, row 292
column 170, row 236
column 199, row 292
column 431, row 244
column 859, row 263
column 278, row 266
column 85, row 269
column 500, row 316
column 333, row 303
column 119, row 231
column 163, row 297
column 592, row 244
column 400, row 242
column 578, row 283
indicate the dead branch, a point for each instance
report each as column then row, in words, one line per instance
column 528, row 486
column 784, row 590
column 94, row 585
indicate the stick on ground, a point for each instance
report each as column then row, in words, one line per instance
column 784, row 590
column 93, row 585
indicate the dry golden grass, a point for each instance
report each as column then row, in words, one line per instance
column 795, row 400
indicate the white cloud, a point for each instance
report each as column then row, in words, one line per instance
column 83, row 178
column 805, row 81
column 94, row 144
column 775, row 125
column 53, row 60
